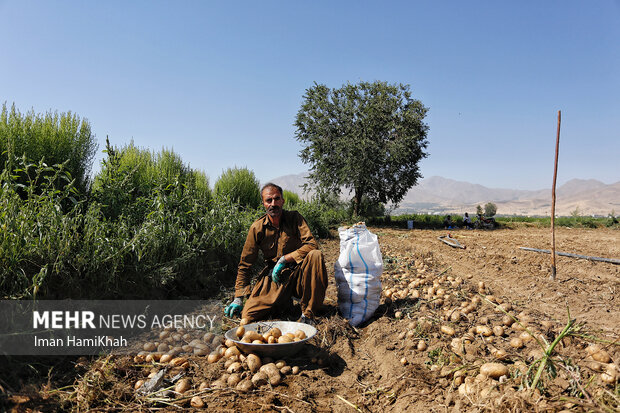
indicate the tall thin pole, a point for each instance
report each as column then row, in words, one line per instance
column 555, row 175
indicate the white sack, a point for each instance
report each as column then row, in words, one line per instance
column 358, row 273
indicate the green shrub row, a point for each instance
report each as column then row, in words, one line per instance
column 420, row 221
column 572, row 221
column 426, row 221
column 182, row 245
column 147, row 226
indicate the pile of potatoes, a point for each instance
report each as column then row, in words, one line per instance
column 437, row 295
column 272, row 336
column 176, row 365
column 246, row 372
column 242, row 372
column 476, row 325
column 173, row 342
column 181, row 387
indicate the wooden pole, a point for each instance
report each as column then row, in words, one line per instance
column 555, row 175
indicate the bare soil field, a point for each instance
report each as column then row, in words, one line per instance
column 446, row 313
column 589, row 288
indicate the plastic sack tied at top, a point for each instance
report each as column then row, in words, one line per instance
column 358, row 273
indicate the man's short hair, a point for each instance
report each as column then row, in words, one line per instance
column 271, row 185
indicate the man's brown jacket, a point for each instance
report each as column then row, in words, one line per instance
column 293, row 237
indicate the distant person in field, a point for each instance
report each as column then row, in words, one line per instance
column 447, row 222
column 295, row 265
column 467, row 221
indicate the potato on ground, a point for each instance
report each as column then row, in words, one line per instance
column 275, row 378
column 253, row 362
column 182, row 386
column 245, row 385
column 493, row 370
column 196, row 402
column 260, row 379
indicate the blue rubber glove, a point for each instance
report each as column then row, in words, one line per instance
column 275, row 275
column 234, row 308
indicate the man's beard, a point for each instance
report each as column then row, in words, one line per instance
column 274, row 210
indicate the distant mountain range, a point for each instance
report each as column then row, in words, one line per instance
column 437, row 195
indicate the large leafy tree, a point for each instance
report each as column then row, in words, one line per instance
column 367, row 137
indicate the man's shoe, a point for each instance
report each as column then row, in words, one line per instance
column 306, row 320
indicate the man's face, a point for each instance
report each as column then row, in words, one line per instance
column 272, row 201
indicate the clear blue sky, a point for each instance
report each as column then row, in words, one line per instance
column 221, row 82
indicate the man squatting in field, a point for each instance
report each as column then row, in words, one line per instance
column 295, row 265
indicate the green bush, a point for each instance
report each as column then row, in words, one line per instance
column 55, row 138
column 199, row 181
column 291, row 199
column 315, row 217
column 130, row 176
column 321, row 217
column 241, row 186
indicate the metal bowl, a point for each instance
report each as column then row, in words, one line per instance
column 275, row 349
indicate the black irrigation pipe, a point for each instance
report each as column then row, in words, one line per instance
column 566, row 254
